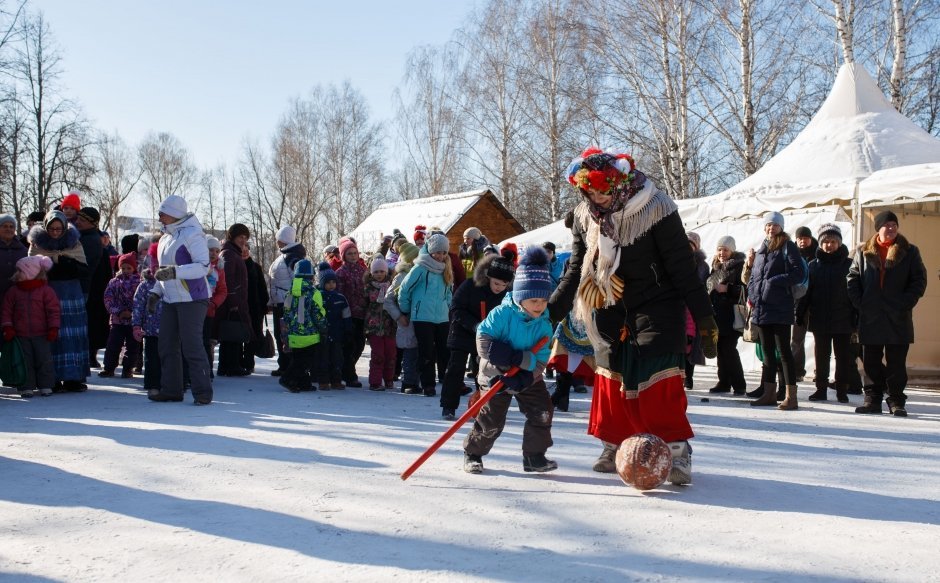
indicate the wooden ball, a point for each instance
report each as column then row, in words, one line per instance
column 644, row 461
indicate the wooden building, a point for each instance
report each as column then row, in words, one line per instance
column 452, row 213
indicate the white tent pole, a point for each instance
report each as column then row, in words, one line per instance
column 857, row 215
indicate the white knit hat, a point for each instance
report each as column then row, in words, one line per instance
column 174, row 206
column 287, row 234
column 727, row 241
column 212, row 242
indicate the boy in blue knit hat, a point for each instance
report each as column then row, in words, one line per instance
column 339, row 326
column 505, row 339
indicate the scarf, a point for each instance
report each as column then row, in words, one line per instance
column 429, row 263
column 622, row 195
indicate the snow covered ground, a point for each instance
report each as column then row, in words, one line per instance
column 265, row 485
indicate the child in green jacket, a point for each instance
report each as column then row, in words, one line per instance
column 305, row 319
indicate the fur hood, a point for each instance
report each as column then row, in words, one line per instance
column 733, row 261
column 480, row 278
column 39, row 237
column 895, row 253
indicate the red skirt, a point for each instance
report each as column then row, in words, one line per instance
column 649, row 398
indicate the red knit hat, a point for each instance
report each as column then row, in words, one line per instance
column 128, row 258
column 421, row 233
column 72, row 200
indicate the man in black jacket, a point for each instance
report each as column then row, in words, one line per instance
column 885, row 282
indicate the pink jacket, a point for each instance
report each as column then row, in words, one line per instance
column 32, row 308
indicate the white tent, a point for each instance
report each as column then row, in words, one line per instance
column 856, row 154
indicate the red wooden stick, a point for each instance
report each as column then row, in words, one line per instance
column 471, row 412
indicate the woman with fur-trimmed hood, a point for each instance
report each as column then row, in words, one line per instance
column 630, row 278
column 885, row 282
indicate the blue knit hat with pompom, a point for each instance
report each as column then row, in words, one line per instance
column 533, row 279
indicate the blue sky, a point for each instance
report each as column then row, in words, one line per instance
column 212, row 73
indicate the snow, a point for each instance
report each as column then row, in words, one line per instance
column 264, row 485
column 441, row 211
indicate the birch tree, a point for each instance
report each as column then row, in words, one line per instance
column 167, row 168
column 430, row 127
column 115, row 176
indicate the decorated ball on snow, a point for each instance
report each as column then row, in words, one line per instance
column 644, row 461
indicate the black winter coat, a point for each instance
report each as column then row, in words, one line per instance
column 826, row 307
column 9, row 255
column 660, row 281
column 772, row 275
column 235, row 306
column 728, row 273
column 257, row 295
column 885, row 308
column 99, row 320
column 94, row 251
column 472, row 301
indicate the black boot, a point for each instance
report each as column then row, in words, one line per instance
column 756, row 393
column 872, row 403
column 537, row 462
column 842, row 393
column 820, row 394
column 562, row 393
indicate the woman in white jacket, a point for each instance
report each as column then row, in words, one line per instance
column 183, row 257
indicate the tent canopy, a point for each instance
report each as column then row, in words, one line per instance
column 854, row 134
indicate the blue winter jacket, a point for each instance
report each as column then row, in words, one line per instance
column 423, row 295
column 772, row 275
column 338, row 315
column 508, row 324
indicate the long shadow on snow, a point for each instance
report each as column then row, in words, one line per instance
column 323, row 541
column 193, row 442
column 901, row 433
column 781, row 496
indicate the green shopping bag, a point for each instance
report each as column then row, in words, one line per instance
column 12, row 364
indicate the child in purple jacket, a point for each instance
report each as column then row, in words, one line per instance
column 146, row 326
column 119, row 301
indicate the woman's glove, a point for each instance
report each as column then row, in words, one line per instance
column 8, row 333
column 165, row 273
column 708, row 331
column 52, row 335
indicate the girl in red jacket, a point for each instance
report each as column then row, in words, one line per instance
column 31, row 313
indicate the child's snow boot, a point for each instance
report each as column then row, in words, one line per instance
column 472, row 464
column 537, row 462
column 681, row 473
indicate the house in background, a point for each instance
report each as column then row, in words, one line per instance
column 452, row 213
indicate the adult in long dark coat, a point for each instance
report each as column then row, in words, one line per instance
column 827, row 312
column 93, row 286
column 630, row 279
column 11, row 251
column 725, row 291
column 257, row 306
column 472, row 301
column 885, row 282
column 235, row 306
column 87, row 224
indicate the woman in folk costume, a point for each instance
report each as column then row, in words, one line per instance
column 58, row 239
column 631, row 277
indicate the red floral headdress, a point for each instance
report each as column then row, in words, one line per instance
column 599, row 170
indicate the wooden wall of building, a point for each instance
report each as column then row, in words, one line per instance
column 490, row 217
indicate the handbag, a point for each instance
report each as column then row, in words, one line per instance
column 234, row 330
column 749, row 334
column 740, row 312
column 12, row 364
column 266, row 348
